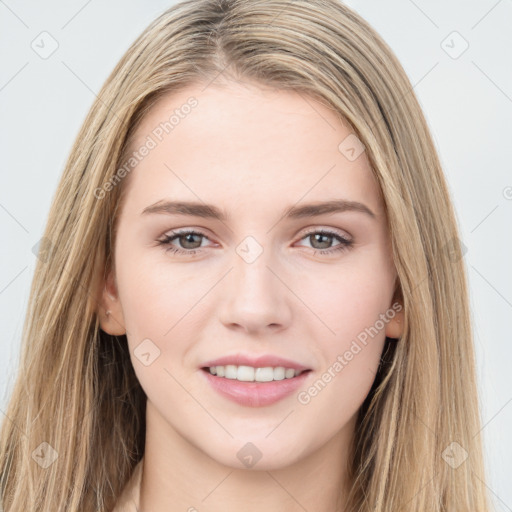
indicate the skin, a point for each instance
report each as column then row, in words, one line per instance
column 253, row 151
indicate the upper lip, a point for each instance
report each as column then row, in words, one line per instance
column 262, row 361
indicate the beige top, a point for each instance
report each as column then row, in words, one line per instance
column 129, row 499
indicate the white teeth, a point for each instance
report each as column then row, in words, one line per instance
column 244, row 373
column 230, row 371
column 250, row 374
column 289, row 373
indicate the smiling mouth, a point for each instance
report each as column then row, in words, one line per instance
column 244, row 373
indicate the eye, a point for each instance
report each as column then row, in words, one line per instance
column 187, row 238
column 190, row 242
column 322, row 239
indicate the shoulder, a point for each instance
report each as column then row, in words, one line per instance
column 129, row 499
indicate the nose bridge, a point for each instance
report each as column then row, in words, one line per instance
column 251, row 266
column 255, row 297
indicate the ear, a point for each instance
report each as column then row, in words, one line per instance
column 395, row 326
column 110, row 311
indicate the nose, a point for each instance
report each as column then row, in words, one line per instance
column 255, row 299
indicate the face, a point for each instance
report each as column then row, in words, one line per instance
column 246, row 277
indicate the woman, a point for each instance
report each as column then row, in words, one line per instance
column 252, row 293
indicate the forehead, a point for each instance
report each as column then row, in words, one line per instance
column 252, row 144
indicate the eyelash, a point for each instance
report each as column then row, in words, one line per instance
column 344, row 245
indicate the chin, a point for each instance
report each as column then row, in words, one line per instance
column 257, row 454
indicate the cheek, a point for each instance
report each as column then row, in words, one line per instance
column 350, row 331
column 350, row 357
column 347, row 299
column 158, row 308
column 154, row 293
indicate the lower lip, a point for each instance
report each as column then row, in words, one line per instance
column 255, row 394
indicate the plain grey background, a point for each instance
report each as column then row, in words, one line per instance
column 457, row 56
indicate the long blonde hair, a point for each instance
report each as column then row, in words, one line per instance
column 75, row 423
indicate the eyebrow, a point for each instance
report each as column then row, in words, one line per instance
column 209, row 211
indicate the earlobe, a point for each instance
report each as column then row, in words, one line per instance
column 395, row 326
column 110, row 310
